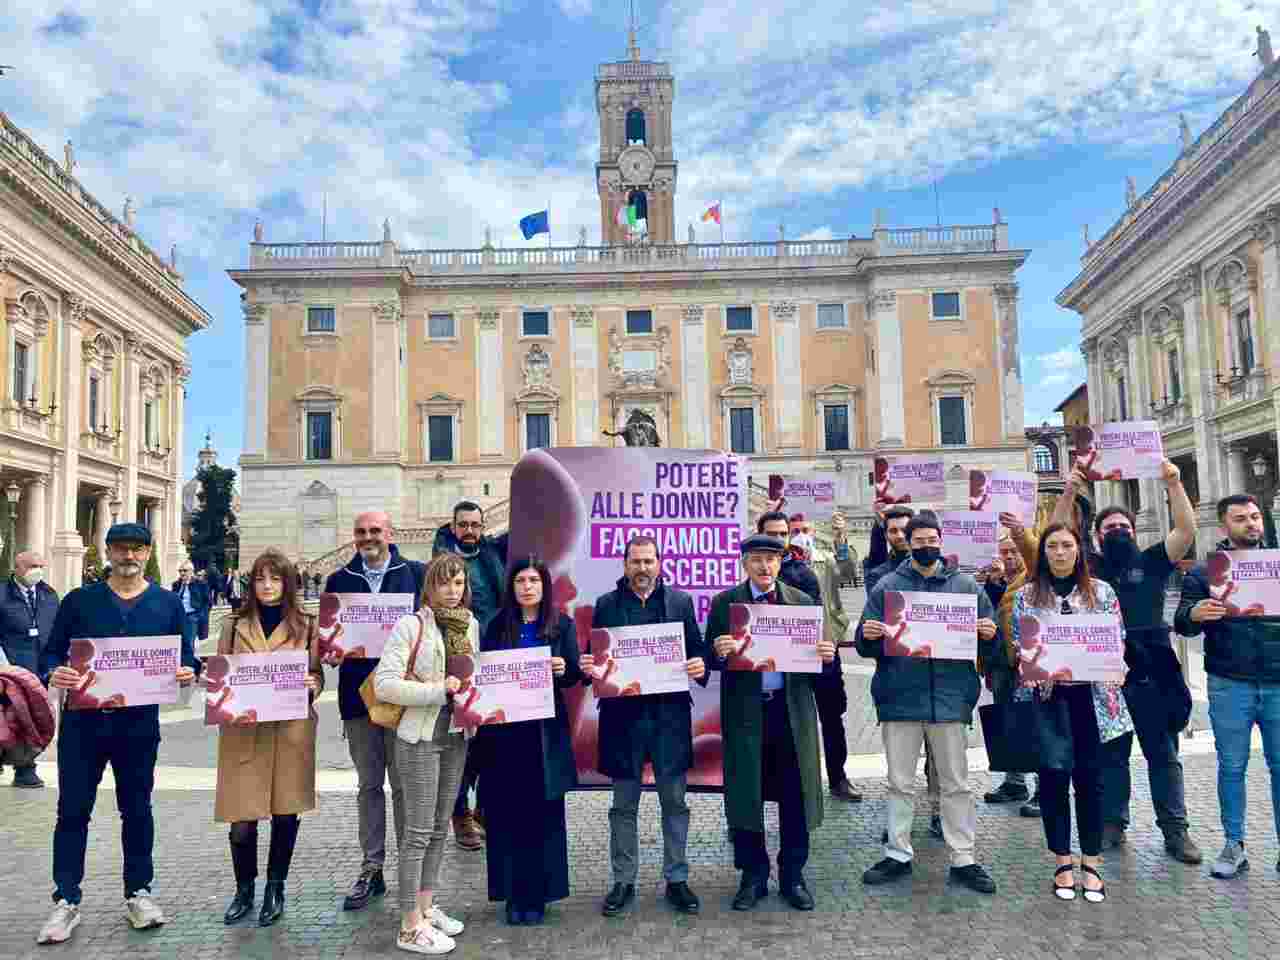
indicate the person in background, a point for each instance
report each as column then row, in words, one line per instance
column 1075, row 752
column 1017, row 548
column 28, row 607
column 128, row 738
column 413, row 672
column 377, row 567
column 235, row 590
column 924, row 698
column 1155, row 683
column 194, row 596
column 526, row 768
column 1242, row 659
column 267, row 769
column 486, row 561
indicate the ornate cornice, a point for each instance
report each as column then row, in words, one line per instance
column 487, row 319
column 387, row 311
column 692, row 314
column 784, row 311
column 583, row 317
column 254, row 313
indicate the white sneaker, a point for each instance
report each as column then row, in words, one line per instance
column 425, row 939
column 443, row 922
column 142, row 911
column 64, row 919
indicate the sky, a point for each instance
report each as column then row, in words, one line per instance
column 449, row 116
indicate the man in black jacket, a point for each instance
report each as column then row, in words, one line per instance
column 377, row 567
column 895, row 535
column 28, row 607
column 196, row 603
column 1242, row 659
column 657, row 728
column 923, row 698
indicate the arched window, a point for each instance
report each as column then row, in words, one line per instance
column 635, row 126
column 1046, row 461
column 638, row 200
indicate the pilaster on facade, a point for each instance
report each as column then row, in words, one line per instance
column 892, row 397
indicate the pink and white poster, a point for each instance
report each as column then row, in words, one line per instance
column 775, row 638
column 1129, row 450
column 503, row 686
column 909, row 480
column 242, row 689
column 1005, row 491
column 936, row 626
column 577, row 507
column 969, row 538
column 813, row 494
column 1066, row 647
column 635, row 661
column 124, row 672
column 358, row 624
column 1246, row 582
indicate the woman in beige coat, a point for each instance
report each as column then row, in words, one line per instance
column 267, row 769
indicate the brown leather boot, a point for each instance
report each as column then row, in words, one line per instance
column 464, row 831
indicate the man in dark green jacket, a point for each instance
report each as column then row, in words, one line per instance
column 920, row 698
column 770, row 727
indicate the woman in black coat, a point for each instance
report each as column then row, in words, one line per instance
column 526, row 768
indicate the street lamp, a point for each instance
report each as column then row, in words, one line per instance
column 12, row 493
column 1259, row 465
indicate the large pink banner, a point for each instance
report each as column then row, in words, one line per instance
column 1246, row 582
column 935, row 626
column 1068, row 647
column 577, row 507
column 772, row 638
column 1130, row 450
column 242, row 689
column 124, row 672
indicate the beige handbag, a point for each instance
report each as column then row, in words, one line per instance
column 388, row 714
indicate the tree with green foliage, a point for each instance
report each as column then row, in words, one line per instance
column 152, row 572
column 91, row 566
column 212, row 518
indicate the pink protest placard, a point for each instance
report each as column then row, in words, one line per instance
column 1246, row 582
column 358, row 624
column 1004, row 491
column 813, row 494
column 245, row 688
column 772, row 637
column 124, row 672
column 1063, row 647
column 909, row 480
column 969, row 537
column 634, row 661
column 1129, row 450
column 937, row 626
column 504, row 686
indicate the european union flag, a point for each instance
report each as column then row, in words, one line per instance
column 536, row 223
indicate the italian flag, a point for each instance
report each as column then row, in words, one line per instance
column 626, row 216
column 713, row 213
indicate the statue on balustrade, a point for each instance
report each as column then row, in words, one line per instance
column 1264, row 54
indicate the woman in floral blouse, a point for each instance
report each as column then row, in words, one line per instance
column 1078, row 719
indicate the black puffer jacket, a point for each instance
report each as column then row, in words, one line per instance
column 1238, row 648
column 924, row 690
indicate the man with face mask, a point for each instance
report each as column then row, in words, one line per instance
column 28, row 607
column 1155, row 683
column 1242, row 659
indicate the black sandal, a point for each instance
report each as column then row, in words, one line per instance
column 1093, row 896
column 1059, row 891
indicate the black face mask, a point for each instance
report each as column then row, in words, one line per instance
column 926, row 556
column 1118, row 548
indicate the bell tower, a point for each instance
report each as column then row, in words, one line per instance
column 636, row 171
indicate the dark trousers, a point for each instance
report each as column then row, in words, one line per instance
column 1085, row 776
column 470, row 774
column 780, row 769
column 833, row 702
column 87, row 742
column 244, row 848
column 1160, row 747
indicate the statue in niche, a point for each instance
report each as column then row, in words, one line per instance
column 1264, row 53
column 739, row 358
column 537, row 368
column 640, row 430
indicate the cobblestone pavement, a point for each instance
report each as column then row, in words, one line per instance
column 1156, row 908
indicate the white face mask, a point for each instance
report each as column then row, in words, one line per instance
column 804, row 542
column 33, row 576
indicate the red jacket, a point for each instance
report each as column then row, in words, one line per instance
column 26, row 716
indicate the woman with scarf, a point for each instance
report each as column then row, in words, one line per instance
column 527, row 767
column 1081, row 722
column 429, row 758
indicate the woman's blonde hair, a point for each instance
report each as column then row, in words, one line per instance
column 443, row 568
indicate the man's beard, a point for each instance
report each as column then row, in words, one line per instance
column 641, row 581
column 1250, row 542
column 129, row 568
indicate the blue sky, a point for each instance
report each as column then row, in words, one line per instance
column 449, row 116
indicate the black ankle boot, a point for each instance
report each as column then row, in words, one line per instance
column 272, row 904
column 241, row 904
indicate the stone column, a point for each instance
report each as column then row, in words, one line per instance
column 132, row 438
column 1198, row 386
column 584, row 344
column 385, row 408
column 1266, row 230
column 788, row 394
column 101, row 523
column 36, row 497
column 257, row 342
column 1237, row 470
column 1153, row 517
column 68, row 546
column 1011, row 402
column 893, row 429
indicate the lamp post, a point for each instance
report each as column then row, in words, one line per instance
column 12, row 493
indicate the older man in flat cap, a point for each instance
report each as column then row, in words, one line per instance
column 770, row 727
column 125, row 605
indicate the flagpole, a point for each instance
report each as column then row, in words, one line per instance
column 720, row 204
column 548, row 225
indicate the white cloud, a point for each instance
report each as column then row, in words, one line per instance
column 1064, row 359
column 575, row 8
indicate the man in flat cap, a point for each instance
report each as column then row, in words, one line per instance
column 769, row 723
column 124, row 605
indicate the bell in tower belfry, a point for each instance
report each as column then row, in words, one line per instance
column 636, row 172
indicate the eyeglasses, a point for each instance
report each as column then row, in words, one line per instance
column 371, row 532
column 470, row 524
column 129, row 547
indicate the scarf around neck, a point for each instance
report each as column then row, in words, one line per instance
column 453, row 622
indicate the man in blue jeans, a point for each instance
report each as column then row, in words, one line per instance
column 195, row 605
column 1242, row 658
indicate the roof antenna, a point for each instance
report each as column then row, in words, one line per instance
column 632, row 48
